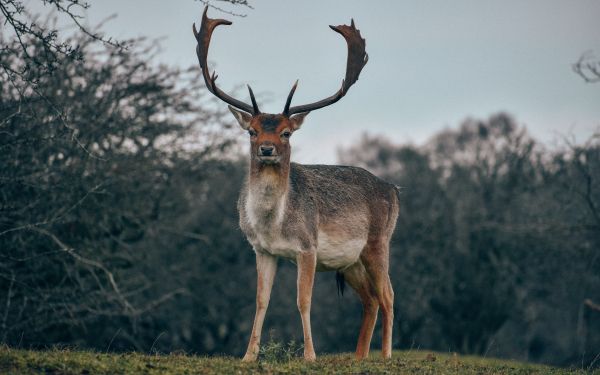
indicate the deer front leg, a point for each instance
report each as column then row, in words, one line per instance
column 307, row 262
column 266, row 267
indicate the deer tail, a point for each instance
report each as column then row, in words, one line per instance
column 341, row 283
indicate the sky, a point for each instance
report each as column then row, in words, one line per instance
column 431, row 63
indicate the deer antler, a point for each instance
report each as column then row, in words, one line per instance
column 203, row 38
column 357, row 59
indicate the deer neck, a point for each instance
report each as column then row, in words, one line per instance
column 268, row 187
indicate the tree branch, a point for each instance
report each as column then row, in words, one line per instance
column 587, row 67
column 593, row 306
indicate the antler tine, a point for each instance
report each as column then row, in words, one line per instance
column 286, row 109
column 254, row 105
column 357, row 59
column 203, row 39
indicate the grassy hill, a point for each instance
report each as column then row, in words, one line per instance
column 56, row 361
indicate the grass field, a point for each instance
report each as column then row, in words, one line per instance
column 13, row 361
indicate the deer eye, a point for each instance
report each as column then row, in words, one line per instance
column 286, row 134
column 252, row 132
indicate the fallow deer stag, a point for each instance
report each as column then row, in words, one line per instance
column 323, row 218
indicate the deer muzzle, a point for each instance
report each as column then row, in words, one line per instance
column 267, row 153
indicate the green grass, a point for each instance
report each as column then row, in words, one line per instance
column 60, row 361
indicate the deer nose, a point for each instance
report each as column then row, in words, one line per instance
column 266, row 150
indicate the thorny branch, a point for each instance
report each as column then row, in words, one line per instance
column 234, row 2
column 16, row 14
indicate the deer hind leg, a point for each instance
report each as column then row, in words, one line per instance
column 307, row 263
column 375, row 258
column 266, row 267
column 357, row 278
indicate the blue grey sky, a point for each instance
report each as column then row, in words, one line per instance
column 432, row 63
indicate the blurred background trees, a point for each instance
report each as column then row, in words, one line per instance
column 118, row 222
column 498, row 240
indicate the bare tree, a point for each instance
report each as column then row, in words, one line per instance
column 22, row 23
column 70, row 221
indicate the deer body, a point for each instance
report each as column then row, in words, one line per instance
column 323, row 218
column 333, row 212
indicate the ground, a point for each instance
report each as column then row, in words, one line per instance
column 60, row 361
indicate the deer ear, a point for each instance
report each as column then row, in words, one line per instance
column 298, row 119
column 242, row 117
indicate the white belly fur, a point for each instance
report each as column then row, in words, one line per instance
column 335, row 252
column 332, row 253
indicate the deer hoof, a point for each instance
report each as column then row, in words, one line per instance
column 310, row 357
column 360, row 356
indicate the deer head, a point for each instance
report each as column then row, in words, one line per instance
column 270, row 133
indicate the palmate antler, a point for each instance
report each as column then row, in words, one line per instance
column 203, row 38
column 357, row 59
